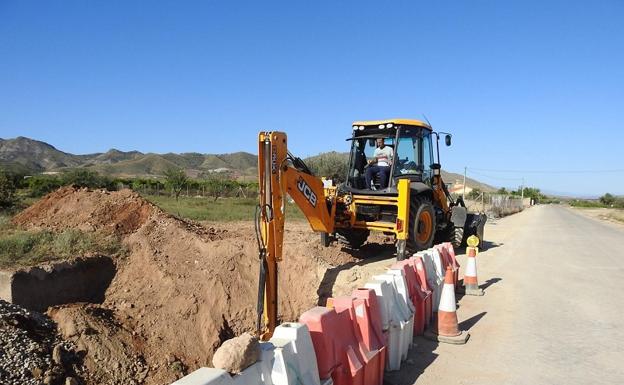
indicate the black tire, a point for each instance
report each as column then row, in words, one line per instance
column 422, row 224
column 456, row 236
column 325, row 239
column 352, row 238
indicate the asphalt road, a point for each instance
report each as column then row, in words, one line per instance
column 552, row 312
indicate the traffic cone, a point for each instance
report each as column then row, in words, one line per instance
column 471, row 283
column 446, row 329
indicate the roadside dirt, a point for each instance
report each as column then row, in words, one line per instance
column 615, row 216
column 184, row 287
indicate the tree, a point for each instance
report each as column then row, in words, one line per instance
column 331, row 165
column 85, row 178
column 40, row 185
column 530, row 192
column 502, row 191
column 176, row 179
column 474, row 193
column 607, row 199
column 219, row 185
column 8, row 189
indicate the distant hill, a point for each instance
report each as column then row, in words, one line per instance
column 35, row 155
column 28, row 155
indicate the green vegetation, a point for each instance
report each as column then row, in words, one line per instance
column 607, row 200
column 8, row 192
column 474, row 193
column 217, row 185
column 39, row 185
column 176, row 180
column 332, row 165
column 222, row 210
column 527, row 192
column 612, row 201
column 26, row 247
column 586, row 203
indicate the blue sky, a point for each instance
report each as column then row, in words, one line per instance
column 523, row 86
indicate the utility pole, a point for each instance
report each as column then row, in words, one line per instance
column 522, row 194
column 464, row 192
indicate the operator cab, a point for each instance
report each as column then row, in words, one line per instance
column 411, row 144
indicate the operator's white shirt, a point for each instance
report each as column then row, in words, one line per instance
column 383, row 156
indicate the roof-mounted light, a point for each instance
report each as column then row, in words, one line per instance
column 355, row 128
column 389, row 125
column 361, row 128
column 382, row 126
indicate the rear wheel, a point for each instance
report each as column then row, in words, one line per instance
column 352, row 238
column 422, row 224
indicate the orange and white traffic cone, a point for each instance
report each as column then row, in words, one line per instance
column 471, row 283
column 446, row 328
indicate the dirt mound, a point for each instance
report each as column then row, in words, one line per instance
column 119, row 212
column 184, row 287
column 187, row 295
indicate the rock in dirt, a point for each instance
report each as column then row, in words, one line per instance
column 31, row 349
column 109, row 353
column 237, row 353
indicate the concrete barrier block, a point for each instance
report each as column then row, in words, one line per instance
column 382, row 290
column 206, row 376
column 305, row 357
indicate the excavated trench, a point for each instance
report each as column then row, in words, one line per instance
column 183, row 287
column 37, row 288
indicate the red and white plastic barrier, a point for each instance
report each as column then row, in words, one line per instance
column 355, row 338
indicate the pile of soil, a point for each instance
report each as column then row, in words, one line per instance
column 183, row 288
column 118, row 213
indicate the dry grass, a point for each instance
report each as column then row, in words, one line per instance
column 20, row 247
column 608, row 214
column 616, row 215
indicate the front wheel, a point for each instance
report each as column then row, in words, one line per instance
column 422, row 224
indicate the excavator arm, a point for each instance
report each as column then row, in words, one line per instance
column 279, row 173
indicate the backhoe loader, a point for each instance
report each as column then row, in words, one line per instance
column 413, row 204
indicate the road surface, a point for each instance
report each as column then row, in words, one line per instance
column 552, row 311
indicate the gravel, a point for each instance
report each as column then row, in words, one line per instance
column 31, row 352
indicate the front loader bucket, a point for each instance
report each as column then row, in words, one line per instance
column 475, row 224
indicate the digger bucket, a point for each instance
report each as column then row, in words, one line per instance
column 475, row 224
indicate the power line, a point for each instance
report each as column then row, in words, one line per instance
column 470, row 172
column 550, row 171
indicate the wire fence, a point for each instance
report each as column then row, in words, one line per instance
column 497, row 205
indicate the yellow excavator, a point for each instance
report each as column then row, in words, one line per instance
column 411, row 202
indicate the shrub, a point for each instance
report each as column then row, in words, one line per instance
column 86, row 178
column 40, row 185
column 8, row 190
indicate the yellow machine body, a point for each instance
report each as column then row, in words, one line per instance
column 318, row 203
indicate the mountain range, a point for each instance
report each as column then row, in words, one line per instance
column 29, row 155
column 32, row 156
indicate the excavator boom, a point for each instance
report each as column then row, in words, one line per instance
column 278, row 174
